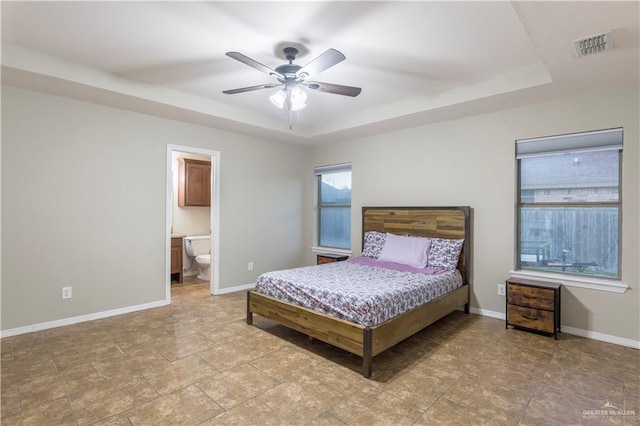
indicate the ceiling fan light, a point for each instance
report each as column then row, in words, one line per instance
column 298, row 99
column 298, row 107
column 278, row 98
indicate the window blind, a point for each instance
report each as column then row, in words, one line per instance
column 336, row 168
column 599, row 140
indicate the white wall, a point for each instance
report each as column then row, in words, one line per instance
column 83, row 204
column 471, row 162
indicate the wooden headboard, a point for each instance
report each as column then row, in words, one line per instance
column 433, row 222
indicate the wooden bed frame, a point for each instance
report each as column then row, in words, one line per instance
column 367, row 342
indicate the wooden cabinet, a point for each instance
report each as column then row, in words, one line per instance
column 533, row 305
column 176, row 258
column 194, row 182
column 328, row 258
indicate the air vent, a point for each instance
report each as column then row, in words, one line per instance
column 593, row 44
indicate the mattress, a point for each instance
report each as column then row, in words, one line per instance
column 360, row 291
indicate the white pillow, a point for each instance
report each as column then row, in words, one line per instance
column 411, row 251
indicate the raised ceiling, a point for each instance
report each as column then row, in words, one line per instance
column 417, row 62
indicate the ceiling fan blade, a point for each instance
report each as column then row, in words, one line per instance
column 326, row 60
column 336, row 89
column 255, row 64
column 251, row 88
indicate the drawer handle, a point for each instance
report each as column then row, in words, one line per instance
column 528, row 316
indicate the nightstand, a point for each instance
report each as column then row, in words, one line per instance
column 329, row 258
column 533, row 305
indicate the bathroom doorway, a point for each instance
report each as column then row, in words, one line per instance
column 191, row 220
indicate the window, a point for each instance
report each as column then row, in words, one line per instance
column 569, row 203
column 334, row 206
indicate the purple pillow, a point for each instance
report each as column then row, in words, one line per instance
column 373, row 243
column 445, row 253
column 411, row 251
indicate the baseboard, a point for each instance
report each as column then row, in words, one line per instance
column 601, row 336
column 570, row 330
column 82, row 318
column 129, row 309
column 105, row 314
column 235, row 289
column 486, row 313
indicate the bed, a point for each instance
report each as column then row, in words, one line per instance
column 369, row 338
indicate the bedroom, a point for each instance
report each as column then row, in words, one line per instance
column 97, row 173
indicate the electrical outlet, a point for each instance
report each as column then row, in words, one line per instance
column 66, row 292
column 502, row 290
column 250, row 266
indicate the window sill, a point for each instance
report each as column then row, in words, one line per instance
column 575, row 281
column 331, row 250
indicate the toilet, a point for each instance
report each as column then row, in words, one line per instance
column 198, row 248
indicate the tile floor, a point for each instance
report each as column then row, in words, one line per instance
column 196, row 362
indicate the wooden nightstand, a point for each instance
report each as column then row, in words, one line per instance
column 533, row 305
column 329, row 258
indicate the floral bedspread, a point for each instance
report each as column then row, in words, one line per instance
column 363, row 294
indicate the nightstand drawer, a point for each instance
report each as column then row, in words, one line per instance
column 330, row 258
column 531, row 318
column 532, row 297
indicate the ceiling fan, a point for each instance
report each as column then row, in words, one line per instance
column 291, row 78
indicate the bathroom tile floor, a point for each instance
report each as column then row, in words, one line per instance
column 196, row 362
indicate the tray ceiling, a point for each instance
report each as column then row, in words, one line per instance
column 417, row 62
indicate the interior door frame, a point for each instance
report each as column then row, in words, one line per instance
column 214, row 220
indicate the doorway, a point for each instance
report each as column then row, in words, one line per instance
column 214, row 219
